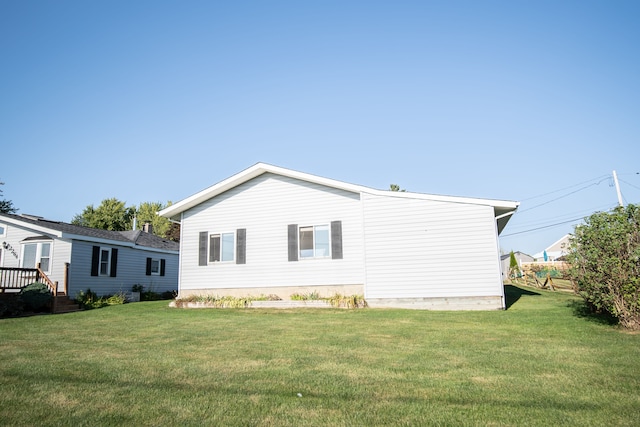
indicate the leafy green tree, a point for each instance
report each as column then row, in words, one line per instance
column 112, row 214
column 147, row 212
column 396, row 187
column 604, row 261
column 6, row 206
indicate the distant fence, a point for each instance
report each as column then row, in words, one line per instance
column 541, row 274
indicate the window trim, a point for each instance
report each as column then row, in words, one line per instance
column 211, row 256
column 314, row 248
column 38, row 258
column 3, row 229
column 155, row 273
column 107, row 263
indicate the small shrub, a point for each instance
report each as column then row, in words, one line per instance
column 347, row 301
column 150, row 296
column 312, row 296
column 36, row 296
column 117, row 299
column 137, row 288
column 169, row 295
column 89, row 299
column 215, row 301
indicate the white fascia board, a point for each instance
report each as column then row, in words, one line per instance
column 507, row 205
column 33, row 227
column 254, row 171
column 173, row 212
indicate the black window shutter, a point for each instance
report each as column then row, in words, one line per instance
column 293, row 242
column 148, row 267
column 162, row 266
column 114, row 262
column 95, row 261
column 336, row 239
column 202, row 248
column 241, row 246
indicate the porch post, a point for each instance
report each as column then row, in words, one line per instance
column 66, row 278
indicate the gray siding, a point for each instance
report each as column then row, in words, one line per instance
column 131, row 270
column 427, row 249
column 265, row 206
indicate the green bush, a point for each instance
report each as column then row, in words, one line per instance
column 89, row 299
column 604, row 261
column 36, row 296
column 11, row 305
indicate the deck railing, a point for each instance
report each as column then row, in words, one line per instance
column 18, row 278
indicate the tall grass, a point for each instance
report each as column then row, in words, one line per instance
column 541, row 362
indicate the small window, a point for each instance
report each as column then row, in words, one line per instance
column 155, row 267
column 3, row 230
column 222, row 247
column 104, row 261
column 314, row 241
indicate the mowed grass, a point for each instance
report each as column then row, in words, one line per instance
column 538, row 363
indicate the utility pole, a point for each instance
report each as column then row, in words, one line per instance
column 615, row 181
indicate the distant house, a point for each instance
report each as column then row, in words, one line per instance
column 271, row 230
column 505, row 261
column 81, row 257
column 555, row 251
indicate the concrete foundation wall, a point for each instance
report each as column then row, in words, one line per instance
column 283, row 292
column 452, row 303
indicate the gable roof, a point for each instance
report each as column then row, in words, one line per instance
column 503, row 209
column 63, row 230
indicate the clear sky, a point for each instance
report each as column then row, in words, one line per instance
column 536, row 101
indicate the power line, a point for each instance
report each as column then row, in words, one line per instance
column 563, row 196
column 600, row 178
column 543, row 227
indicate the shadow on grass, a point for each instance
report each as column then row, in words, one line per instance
column 583, row 311
column 513, row 293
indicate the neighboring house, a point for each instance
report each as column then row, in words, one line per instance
column 505, row 260
column 104, row 261
column 555, row 251
column 271, row 230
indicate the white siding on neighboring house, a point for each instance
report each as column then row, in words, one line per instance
column 17, row 237
column 130, row 270
column 265, row 206
column 428, row 249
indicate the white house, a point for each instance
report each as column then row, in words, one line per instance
column 78, row 257
column 556, row 250
column 271, row 230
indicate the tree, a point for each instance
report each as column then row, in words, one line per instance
column 6, row 206
column 112, row 214
column 514, row 268
column 147, row 212
column 604, row 260
column 396, row 187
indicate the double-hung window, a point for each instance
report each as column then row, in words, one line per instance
column 105, row 255
column 222, row 247
column 314, row 241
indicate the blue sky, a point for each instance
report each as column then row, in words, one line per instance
column 536, row 102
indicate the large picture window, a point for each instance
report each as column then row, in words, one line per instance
column 314, row 241
column 34, row 253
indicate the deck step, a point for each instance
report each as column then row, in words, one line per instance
column 64, row 304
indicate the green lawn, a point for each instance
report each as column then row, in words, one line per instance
column 541, row 362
